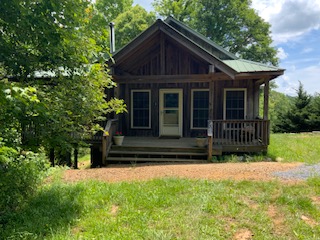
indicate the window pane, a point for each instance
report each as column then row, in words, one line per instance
column 141, row 108
column 171, row 100
column 235, row 104
column 200, row 109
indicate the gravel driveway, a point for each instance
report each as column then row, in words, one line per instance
column 302, row 172
column 262, row 171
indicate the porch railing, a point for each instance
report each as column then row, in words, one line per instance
column 239, row 132
column 108, row 133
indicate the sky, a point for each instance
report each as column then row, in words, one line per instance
column 295, row 27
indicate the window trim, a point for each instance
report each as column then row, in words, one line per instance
column 225, row 101
column 131, row 108
column 192, row 107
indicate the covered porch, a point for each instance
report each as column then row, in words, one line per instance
column 223, row 136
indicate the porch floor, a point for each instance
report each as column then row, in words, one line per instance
column 159, row 142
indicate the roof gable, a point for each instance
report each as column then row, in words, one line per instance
column 198, row 45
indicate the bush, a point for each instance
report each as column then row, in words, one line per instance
column 20, row 174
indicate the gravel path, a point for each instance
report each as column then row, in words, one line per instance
column 261, row 171
column 302, row 172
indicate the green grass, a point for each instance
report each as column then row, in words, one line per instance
column 303, row 147
column 168, row 209
column 176, row 208
column 295, row 147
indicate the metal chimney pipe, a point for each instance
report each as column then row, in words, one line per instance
column 112, row 38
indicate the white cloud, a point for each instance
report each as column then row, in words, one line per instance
column 281, row 54
column 308, row 76
column 289, row 18
column 307, row 50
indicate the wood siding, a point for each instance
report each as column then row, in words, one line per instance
column 217, row 96
column 164, row 57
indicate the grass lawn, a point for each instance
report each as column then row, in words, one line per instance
column 295, row 147
column 169, row 209
column 177, row 208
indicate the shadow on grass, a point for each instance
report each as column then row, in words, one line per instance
column 53, row 209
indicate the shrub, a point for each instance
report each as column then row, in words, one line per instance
column 20, row 174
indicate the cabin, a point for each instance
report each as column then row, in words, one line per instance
column 178, row 85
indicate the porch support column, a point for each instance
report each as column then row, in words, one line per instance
column 256, row 101
column 211, row 100
column 266, row 99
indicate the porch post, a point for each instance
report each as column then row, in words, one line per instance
column 266, row 99
column 211, row 101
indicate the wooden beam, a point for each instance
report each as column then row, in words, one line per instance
column 266, row 99
column 171, row 78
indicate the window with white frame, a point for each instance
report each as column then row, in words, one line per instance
column 140, row 109
column 200, row 108
column 235, row 103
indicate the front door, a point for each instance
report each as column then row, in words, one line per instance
column 170, row 112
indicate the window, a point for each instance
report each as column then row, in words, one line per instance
column 234, row 104
column 140, row 109
column 200, row 108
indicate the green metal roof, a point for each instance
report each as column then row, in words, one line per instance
column 241, row 66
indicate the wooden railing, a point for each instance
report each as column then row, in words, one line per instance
column 239, row 132
column 108, row 133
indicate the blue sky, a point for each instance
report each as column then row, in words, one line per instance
column 295, row 26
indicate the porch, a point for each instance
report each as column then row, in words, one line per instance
column 223, row 136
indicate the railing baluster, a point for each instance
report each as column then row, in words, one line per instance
column 241, row 132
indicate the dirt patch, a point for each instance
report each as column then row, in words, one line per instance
column 316, row 200
column 278, row 220
column 114, row 210
column 243, row 234
column 308, row 220
column 262, row 171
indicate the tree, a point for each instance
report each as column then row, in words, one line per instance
column 53, row 38
column 42, row 35
column 131, row 23
column 233, row 24
column 100, row 15
column 315, row 112
column 297, row 118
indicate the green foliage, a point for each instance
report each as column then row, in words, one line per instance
column 167, row 209
column 20, row 175
column 42, row 35
column 279, row 103
column 232, row 24
column 100, row 15
column 49, row 49
column 131, row 23
column 298, row 117
column 20, row 109
column 314, row 116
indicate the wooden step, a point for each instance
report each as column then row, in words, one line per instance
column 133, row 159
column 118, row 152
column 157, row 149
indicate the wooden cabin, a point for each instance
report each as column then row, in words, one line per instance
column 177, row 83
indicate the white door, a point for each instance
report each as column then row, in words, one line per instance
column 170, row 112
